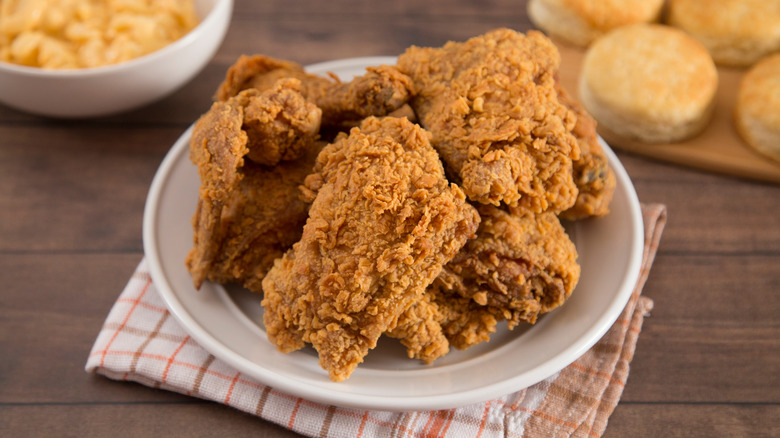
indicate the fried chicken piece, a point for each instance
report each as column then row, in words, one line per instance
column 261, row 72
column 492, row 107
column 217, row 147
column 280, row 124
column 515, row 269
column 382, row 224
column 262, row 219
column 248, row 214
column 420, row 330
column 440, row 319
column 380, row 91
column 594, row 177
column 520, row 266
column 464, row 322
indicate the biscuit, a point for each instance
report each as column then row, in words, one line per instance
column 736, row 32
column 579, row 22
column 650, row 83
column 757, row 112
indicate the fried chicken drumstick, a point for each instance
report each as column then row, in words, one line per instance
column 383, row 223
column 493, row 110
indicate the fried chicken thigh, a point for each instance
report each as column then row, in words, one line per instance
column 493, row 110
column 518, row 266
column 383, row 223
column 248, row 214
column 379, row 92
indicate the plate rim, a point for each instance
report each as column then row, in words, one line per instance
column 387, row 403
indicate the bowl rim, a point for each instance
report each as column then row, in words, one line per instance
column 185, row 40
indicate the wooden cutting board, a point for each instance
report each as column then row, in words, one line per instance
column 718, row 149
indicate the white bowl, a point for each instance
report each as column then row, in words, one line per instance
column 101, row 91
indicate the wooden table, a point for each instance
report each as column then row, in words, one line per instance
column 72, row 197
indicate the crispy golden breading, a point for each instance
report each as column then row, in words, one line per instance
column 217, row 147
column 493, row 110
column 441, row 319
column 262, row 219
column 524, row 265
column 280, row 124
column 261, row 72
column 248, row 214
column 517, row 268
column 383, row 222
column 380, row 91
column 419, row 329
column 463, row 321
column 594, row 177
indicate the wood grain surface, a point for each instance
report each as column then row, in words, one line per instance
column 71, row 201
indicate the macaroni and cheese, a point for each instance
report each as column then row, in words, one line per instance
column 67, row 34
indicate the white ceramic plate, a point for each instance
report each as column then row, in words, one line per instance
column 227, row 322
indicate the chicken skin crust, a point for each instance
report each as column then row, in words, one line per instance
column 515, row 269
column 248, row 214
column 517, row 266
column 441, row 319
column 592, row 173
column 262, row 219
column 380, row 91
column 493, row 110
column 280, row 124
column 383, row 222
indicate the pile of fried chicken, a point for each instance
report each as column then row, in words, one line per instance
column 421, row 201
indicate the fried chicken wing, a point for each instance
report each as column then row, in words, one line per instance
column 594, row 177
column 379, row 92
column 249, row 214
column 492, row 107
column 382, row 224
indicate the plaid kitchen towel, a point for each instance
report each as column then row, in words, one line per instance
column 140, row 341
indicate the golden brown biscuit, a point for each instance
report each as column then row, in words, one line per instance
column 757, row 113
column 579, row 22
column 736, row 32
column 649, row 82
